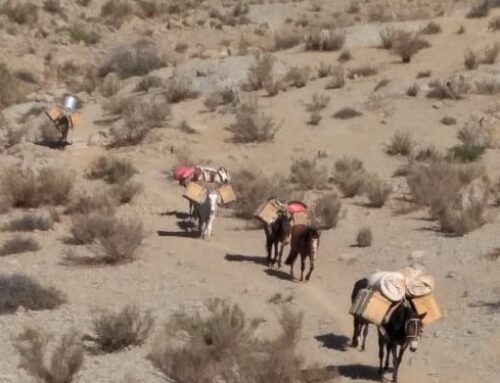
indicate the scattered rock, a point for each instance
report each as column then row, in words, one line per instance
column 347, row 257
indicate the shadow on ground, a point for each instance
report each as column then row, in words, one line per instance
column 333, row 341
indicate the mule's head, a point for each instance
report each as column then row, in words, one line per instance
column 213, row 200
column 413, row 330
column 224, row 175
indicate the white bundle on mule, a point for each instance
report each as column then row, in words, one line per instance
column 390, row 284
column 417, row 283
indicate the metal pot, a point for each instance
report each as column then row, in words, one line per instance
column 70, row 102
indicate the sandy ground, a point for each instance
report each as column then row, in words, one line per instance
column 173, row 272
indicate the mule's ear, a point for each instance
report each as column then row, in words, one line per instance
column 422, row 316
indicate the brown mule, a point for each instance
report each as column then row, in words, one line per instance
column 305, row 241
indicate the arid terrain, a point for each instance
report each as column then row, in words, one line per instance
column 383, row 116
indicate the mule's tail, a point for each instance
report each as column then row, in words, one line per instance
column 292, row 256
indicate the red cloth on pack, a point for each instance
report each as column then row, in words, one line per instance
column 296, row 207
column 183, row 172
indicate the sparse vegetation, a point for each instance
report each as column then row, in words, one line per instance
column 325, row 70
column 20, row 12
column 337, row 79
column 318, row 103
column 488, row 86
column 402, row 143
column 324, row 40
column 407, row 45
column 424, row 74
column 479, row 10
column 431, row 28
column 81, row 33
column 9, row 91
column 179, row 89
column 377, row 191
column 115, row 331
column 412, row 90
column 347, row 113
column 286, row 38
column 490, row 54
column 448, row 120
column 261, row 72
column 494, row 24
column 30, row 222
column 308, row 174
column 388, row 37
column 349, row 176
column 364, row 237
column 112, row 170
column 148, row 82
column 326, row 211
column 297, row 76
column 115, row 12
column 220, row 97
column 18, row 290
column 451, row 89
column 66, row 356
column 344, row 56
column 476, row 132
column 251, row 125
column 470, row 60
column 19, row 245
column 362, row 71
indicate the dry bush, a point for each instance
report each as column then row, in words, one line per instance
column 326, row 210
column 429, row 153
column 318, row 103
column 388, row 37
column 424, row 74
column 337, row 80
column 117, row 105
column 479, row 10
column 111, row 169
column 307, row 174
column 19, row 245
column 412, row 90
column 137, row 59
column 148, row 82
column 325, row 70
column 464, row 153
column 377, row 191
column 125, row 192
column 81, row 33
column 251, row 125
column 448, row 120
column 470, row 60
column 114, row 12
column 85, row 203
column 179, row 89
column 362, row 71
column 66, row 356
column 115, row 331
column 461, row 30
column 20, row 12
column 402, row 143
column 24, row 188
column 297, row 76
column 347, row 113
column 488, row 86
column 349, row 176
column 85, row 228
column 324, row 40
column 109, row 87
column 476, row 133
column 314, row 118
column 431, row 28
column 30, row 222
column 364, row 237
column 344, row 56
column 9, row 91
column 53, row 6
column 378, row 13
column 490, row 54
column 18, row 290
column 253, row 188
column 453, row 90
column 150, row 8
column 261, row 72
column 407, row 44
column 224, row 96
column 286, row 38
column 26, row 76
column 494, row 24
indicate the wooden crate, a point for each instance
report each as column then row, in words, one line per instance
column 195, row 192
column 360, row 301
column 75, row 119
column 370, row 305
column 299, row 219
column 267, row 212
column 226, row 193
column 427, row 304
column 54, row 112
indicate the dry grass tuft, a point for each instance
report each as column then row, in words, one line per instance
column 19, row 245
column 326, row 211
column 453, row 90
column 148, row 82
column 297, row 76
column 111, row 170
column 494, row 24
column 251, row 125
column 83, row 33
column 260, row 73
column 362, row 71
column 18, row 290
column 490, row 54
column 349, row 176
column 115, row 331
column 307, row 174
column 431, row 28
column 479, row 10
column 402, row 143
column 388, row 37
column 412, row 90
column 30, row 222
column 344, row 56
column 347, row 113
column 9, row 91
column 470, row 60
column 488, row 86
column 318, row 103
column 377, row 191
column 286, row 38
column 364, row 237
column 179, row 89
column 324, row 40
column 20, row 12
column 66, row 357
column 115, row 12
column 407, row 44
column 337, row 79
column 448, row 120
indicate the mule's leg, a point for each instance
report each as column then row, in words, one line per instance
column 398, row 362
column 282, row 247
column 292, row 256
column 275, row 251
column 311, row 268
column 394, row 350
column 388, row 350
column 381, row 346
column 365, row 334
column 269, row 248
column 355, row 334
column 302, row 266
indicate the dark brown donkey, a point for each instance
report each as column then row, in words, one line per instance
column 277, row 235
column 360, row 324
column 305, row 241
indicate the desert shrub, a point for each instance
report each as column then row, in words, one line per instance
column 454, row 90
column 337, row 79
column 325, row 70
column 364, row 237
column 150, row 9
column 20, row 12
column 53, row 6
column 347, row 113
column 412, row 90
column 318, row 103
column 117, row 105
column 84, row 203
column 326, row 211
column 25, row 188
column 377, row 191
column 81, row 33
column 115, row 331
column 115, row 12
column 253, row 188
column 261, row 72
column 470, row 60
column 9, row 91
column 378, row 13
column 349, row 176
column 224, row 96
column 18, row 290
column 362, row 71
column 85, row 228
column 431, row 28
column 429, row 153
column 66, row 356
column 461, row 30
column 19, row 245
column 407, row 45
column 286, row 39
column 402, row 143
column 109, row 87
column 112, row 170
column 388, row 37
column 297, row 76
column 137, row 59
column 344, row 56
column 314, row 118
column 424, row 74
column 251, row 125
column 148, row 82
column 179, row 89
column 307, row 174
column 490, row 54
column 448, row 120
column 324, row 40
column 494, row 24
column 488, row 86
column 125, row 192
column 476, row 132
column 30, row 222
column 479, row 10
column 26, row 76
column 465, row 153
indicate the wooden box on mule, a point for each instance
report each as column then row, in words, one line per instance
column 195, row 192
column 267, row 212
column 226, row 193
column 427, row 304
column 299, row 219
column 54, row 112
column 370, row 305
